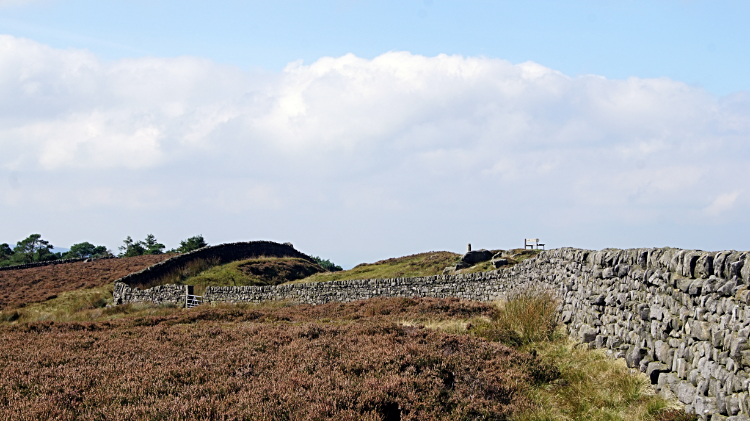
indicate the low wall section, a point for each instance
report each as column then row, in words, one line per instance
column 680, row 316
column 50, row 262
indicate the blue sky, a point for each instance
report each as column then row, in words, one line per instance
column 361, row 130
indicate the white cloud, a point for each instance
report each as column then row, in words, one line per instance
column 722, row 203
column 428, row 137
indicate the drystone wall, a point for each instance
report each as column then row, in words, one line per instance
column 50, row 262
column 680, row 316
column 162, row 294
column 222, row 253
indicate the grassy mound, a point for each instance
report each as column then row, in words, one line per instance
column 422, row 264
column 256, row 271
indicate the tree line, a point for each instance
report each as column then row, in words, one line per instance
column 35, row 249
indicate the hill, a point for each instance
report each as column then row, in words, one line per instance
column 24, row 286
column 422, row 264
column 257, row 271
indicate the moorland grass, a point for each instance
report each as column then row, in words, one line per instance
column 422, row 264
column 589, row 386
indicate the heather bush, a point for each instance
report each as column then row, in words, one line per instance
column 206, row 365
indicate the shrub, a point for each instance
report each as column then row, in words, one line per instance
column 192, row 243
column 327, row 264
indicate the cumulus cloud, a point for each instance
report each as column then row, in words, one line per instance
column 422, row 137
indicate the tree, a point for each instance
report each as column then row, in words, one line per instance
column 5, row 254
column 131, row 248
column 192, row 243
column 85, row 250
column 5, row 251
column 153, row 246
column 327, row 264
column 34, row 249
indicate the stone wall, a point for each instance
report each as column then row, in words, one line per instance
column 680, row 316
column 162, row 294
column 222, row 253
column 50, row 262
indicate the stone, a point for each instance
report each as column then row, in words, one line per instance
column 654, row 369
column 471, row 258
column 450, row 270
column 685, row 392
column 736, row 346
column 499, row 262
column 587, row 333
column 566, row 316
column 735, row 269
column 634, row 356
column 700, row 331
column 598, row 300
column 705, row 405
column 727, row 288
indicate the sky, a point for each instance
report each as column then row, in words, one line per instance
column 362, row 130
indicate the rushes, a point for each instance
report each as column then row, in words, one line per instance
column 525, row 317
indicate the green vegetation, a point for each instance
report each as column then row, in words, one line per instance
column 192, row 243
column 149, row 245
column 35, row 249
column 327, row 264
column 78, row 305
column 86, row 250
column 422, row 264
column 248, row 272
column 29, row 250
column 587, row 384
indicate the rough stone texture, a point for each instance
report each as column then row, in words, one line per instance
column 499, row 262
column 669, row 312
column 471, row 258
column 163, row 294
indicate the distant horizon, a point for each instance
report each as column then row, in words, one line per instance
column 347, row 267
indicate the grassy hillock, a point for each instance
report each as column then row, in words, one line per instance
column 422, row 264
column 257, row 271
